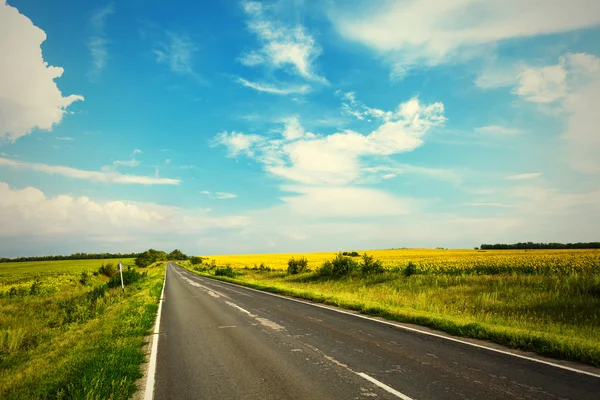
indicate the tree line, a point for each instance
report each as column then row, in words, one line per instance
column 541, row 246
column 75, row 256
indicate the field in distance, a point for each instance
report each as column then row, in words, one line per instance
column 59, row 266
column 434, row 260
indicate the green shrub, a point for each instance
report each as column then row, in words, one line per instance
column 351, row 254
column 340, row 266
column 84, row 278
column 129, row 277
column 108, row 270
column 371, row 266
column 195, row 260
column 35, row 288
column 227, row 271
column 411, row 269
column 297, row 266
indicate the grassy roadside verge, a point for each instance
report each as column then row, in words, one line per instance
column 67, row 339
column 553, row 316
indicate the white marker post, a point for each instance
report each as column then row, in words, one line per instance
column 120, row 267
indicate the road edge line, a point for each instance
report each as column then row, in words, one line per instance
column 398, row 325
column 149, row 391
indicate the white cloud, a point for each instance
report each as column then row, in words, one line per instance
column 498, row 130
column 65, row 138
column 98, row 43
column 291, row 48
column 335, row 159
column 351, row 106
column 268, row 88
column 167, row 161
column 94, row 176
column 520, row 177
column 219, row 195
column 237, row 143
column 132, row 162
column 542, row 85
column 445, row 175
column 431, row 32
column 23, row 71
column 29, row 212
column 177, row 53
column 573, row 86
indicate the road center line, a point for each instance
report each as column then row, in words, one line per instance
column 383, row 386
column 380, row 384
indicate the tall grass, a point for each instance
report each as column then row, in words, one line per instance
column 74, row 338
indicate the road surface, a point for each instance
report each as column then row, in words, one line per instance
column 223, row 341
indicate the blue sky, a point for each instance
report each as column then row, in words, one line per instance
column 292, row 126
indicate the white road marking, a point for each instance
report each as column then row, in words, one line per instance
column 149, row 392
column 383, row 386
column 397, row 325
column 240, row 308
column 227, row 326
column 266, row 322
column 361, row 374
column 270, row 324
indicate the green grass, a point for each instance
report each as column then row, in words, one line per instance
column 61, row 339
column 62, row 266
column 554, row 315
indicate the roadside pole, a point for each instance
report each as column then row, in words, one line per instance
column 121, row 271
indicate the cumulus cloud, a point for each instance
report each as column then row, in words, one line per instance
column 335, row 159
column 23, row 71
column 94, row 176
column 431, row 32
column 290, row 48
column 573, row 86
column 29, row 212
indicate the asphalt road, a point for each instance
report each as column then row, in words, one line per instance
column 222, row 341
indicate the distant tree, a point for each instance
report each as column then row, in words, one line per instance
column 149, row 257
column 176, row 255
column 547, row 246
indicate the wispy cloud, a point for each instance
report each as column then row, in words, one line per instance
column 498, row 130
column 132, row 162
column 268, row 88
column 65, row 138
column 520, row 177
column 97, row 42
column 94, row 176
column 219, row 195
column 290, row 48
column 177, row 51
column 432, row 32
